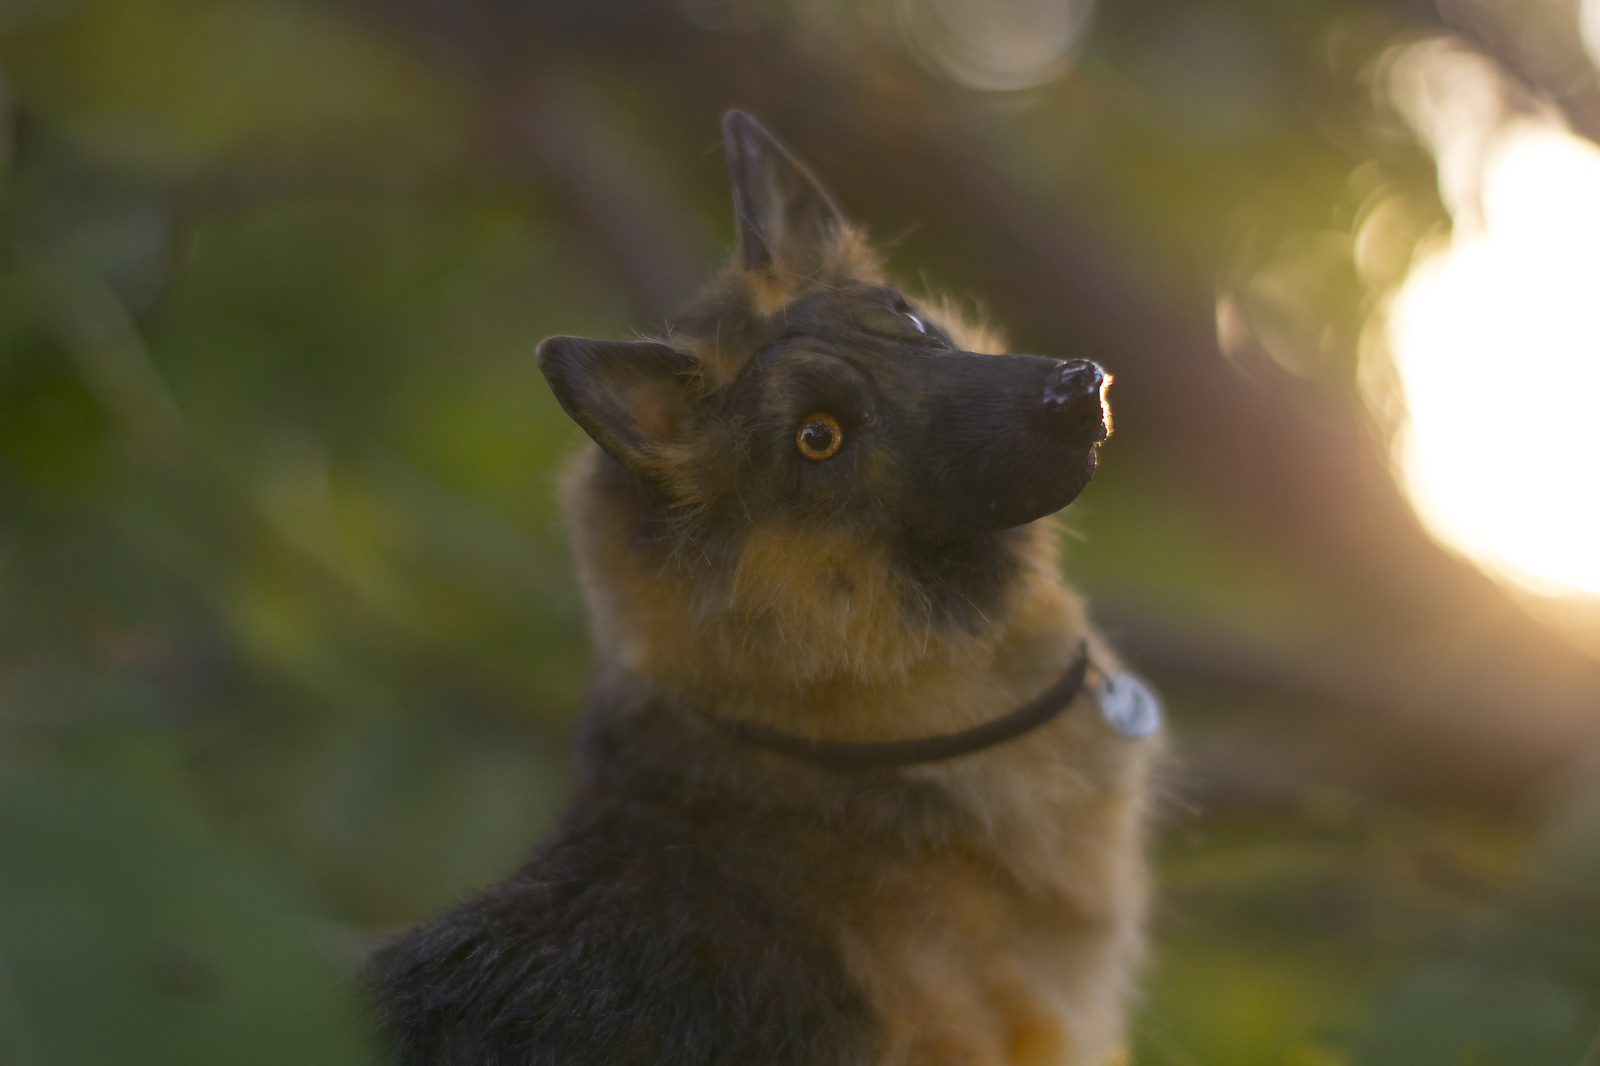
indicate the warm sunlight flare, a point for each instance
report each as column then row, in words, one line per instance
column 1589, row 28
column 1495, row 335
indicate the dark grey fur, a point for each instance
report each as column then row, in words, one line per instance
column 671, row 919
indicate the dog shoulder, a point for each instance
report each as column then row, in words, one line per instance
column 636, row 936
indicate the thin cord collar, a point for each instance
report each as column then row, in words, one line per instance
column 844, row 755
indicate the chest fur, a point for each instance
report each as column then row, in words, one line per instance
column 1017, row 944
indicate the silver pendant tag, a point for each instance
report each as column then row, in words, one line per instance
column 1130, row 705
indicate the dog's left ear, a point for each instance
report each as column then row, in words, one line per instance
column 785, row 218
column 632, row 397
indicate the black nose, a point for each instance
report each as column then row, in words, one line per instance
column 1074, row 396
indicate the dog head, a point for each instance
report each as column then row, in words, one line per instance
column 807, row 436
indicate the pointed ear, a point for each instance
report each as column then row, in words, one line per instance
column 630, row 396
column 785, row 218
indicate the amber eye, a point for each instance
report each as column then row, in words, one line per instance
column 819, row 436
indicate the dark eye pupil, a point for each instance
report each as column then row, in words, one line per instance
column 818, row 436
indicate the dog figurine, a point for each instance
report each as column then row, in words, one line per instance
column 858, row 783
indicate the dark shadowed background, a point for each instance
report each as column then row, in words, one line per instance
column 290, row 646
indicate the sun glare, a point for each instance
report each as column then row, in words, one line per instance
column 1495, row 341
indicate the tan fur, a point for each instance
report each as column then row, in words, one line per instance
column 1016, row 946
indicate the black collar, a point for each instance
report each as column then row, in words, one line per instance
column 843, row 755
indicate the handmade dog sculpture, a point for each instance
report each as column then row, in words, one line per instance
column 846, row 792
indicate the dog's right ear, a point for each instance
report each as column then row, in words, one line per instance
column 632, row 397
column 785, row 218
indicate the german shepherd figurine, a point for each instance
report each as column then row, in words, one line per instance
column 842, row 799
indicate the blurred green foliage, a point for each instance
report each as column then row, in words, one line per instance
column 290, row 645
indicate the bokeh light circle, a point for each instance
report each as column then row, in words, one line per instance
column 996, row 45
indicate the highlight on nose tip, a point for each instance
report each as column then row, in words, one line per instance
column 1072, row 379
column 1075, row 392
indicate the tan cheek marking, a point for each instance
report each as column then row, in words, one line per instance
column 793, row 576
column 879, row 472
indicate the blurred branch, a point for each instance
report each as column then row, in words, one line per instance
column 558, row 126
column 106, row 345
column 548, row 125
column 1351, row 712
